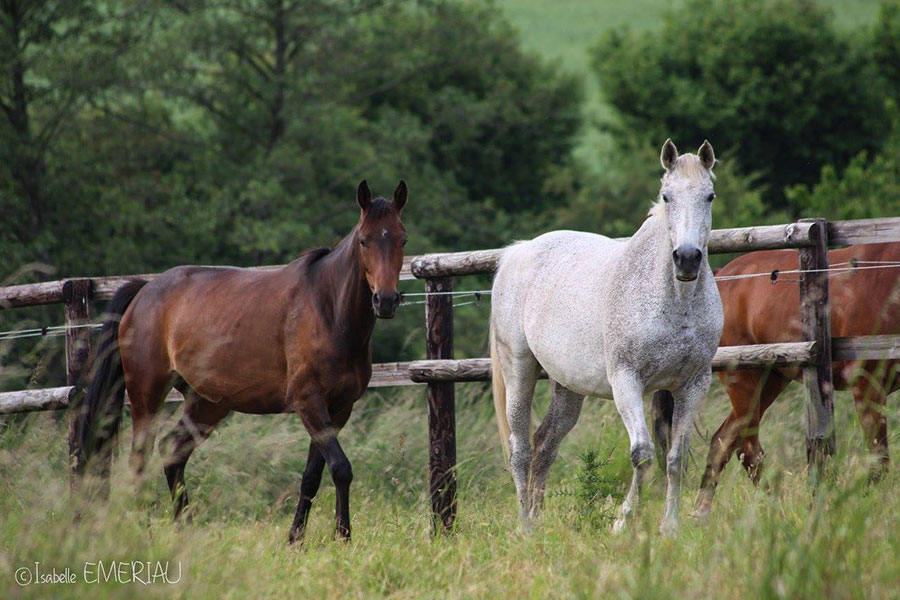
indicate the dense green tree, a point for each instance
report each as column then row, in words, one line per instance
column 868, row 187
column 886, row 44
column 772, row 81
column 138, row 135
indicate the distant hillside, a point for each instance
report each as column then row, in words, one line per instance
column 566, row 29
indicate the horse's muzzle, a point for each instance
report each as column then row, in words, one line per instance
column 687, row 262
column 385, row 304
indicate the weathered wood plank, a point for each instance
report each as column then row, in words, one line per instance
column 791, row 235
column 441, row 407
column 49, row 399
column 31, row 294
column 456, row 263
column 764, row 237
column 870, row 347
column 35, row 400
column 742, row 239
column 77, row 298
column 755, row 356
column 419, row 372
column 51, row 292
column 864, row 231
column 390, row 374
column 817, row 377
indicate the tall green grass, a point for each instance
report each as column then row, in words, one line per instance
column 779, row 541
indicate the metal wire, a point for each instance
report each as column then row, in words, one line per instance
column 775, row 276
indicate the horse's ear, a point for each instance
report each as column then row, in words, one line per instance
column 707, row 156
column 669, row 155
column 400, row 196
column 364, row 195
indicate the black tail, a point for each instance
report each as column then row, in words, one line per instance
column 662, row 407
column 101, row 408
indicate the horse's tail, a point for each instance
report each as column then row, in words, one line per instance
column 101, row 409
column 498, row 386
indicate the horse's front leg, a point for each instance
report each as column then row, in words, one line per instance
column 627, row 393
column 323, row 429
column 687, row 402
column 309, row 487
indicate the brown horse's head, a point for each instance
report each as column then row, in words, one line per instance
column 381, row 237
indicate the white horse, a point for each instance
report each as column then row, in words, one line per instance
column 610, row 319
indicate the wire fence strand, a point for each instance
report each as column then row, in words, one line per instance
column 842, row 268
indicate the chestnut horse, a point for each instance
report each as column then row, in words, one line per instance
column 254, row 341
column 864, row 301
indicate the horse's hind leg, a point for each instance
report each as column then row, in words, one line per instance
column 627, row 392
column 686, row 405
column 196, row 424
column 520, row 375
column 565, row 407
column 146, row 393
column 751, row 393
column 870, row 399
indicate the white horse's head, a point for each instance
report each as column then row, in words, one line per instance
column 685, row 199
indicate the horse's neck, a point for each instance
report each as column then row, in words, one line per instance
column 348, row 291
column 651, row 247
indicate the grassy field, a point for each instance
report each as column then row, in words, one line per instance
column 776, row 542
column 566, row 30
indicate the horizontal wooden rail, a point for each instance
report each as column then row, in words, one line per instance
column 721, row 241
column 870, row 347
column 873, row 347
column 741, row 239
column 863, row 231
column 51, row 292
column 49, row 399
column 471, row 369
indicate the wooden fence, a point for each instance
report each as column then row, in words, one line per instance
column 439, row 372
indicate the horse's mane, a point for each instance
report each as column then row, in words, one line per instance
column 379, row 208
column 315, row 254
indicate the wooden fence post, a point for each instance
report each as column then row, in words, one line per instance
column 77, row 298
column 441, row 406
column 817, row 378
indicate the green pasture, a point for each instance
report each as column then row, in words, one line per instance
column 778, row 541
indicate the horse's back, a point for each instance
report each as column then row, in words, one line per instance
column 220, row 328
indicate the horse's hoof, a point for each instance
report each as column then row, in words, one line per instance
column 701, row 515
column 701, row 512
column 668, row 528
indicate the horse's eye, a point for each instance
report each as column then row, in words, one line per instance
column 665, row 198
column 363, row 243
column 711, row 197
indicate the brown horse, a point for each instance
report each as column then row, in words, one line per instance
column 294, row 338
column 864, row 301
